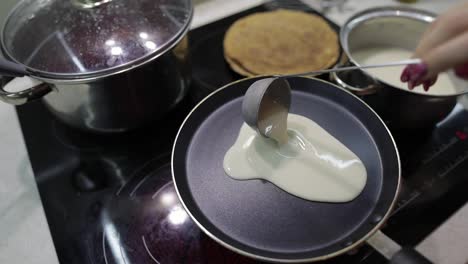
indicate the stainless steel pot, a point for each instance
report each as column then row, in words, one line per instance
column 101, row 65
column 397, row 27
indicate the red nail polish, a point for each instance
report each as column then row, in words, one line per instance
column 405, row 75
column 428, row 83
column 410, row 85
column 417, row 71
column 426, row 86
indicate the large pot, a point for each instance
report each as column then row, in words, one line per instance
column 101, row 65
column 396, row 27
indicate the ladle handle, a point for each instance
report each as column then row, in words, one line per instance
column 350, row 68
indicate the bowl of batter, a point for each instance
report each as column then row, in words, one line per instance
column 387, row 34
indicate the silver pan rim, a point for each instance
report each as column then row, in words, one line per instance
column 268, row 259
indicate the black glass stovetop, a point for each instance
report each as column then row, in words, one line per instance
column 110, row 199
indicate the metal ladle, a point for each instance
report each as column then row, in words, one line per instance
column 266, row 106
column 266, row 103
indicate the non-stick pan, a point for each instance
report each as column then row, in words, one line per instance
column 257, row 219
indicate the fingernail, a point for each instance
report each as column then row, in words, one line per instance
column 405, row 75
column 417, row 71
column 428, row 83
column 412, row 84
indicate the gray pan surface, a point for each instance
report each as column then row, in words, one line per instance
column 258, row 219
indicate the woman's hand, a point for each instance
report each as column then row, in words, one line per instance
column 443, row 46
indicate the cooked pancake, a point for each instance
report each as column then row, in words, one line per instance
column 235, row 66
column 280, row 42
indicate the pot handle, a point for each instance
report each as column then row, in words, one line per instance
column 370, row 89
column 393, row 252
column 29, row 89
column 344, row 61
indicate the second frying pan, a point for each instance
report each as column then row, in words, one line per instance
column 257, row 219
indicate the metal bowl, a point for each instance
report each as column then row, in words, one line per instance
column 398, row 27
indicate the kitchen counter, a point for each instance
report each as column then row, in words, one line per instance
column 23, row 226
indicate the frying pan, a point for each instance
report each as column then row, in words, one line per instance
column 257, row 219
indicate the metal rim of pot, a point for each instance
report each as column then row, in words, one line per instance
column 366, row 15
column 99, row 74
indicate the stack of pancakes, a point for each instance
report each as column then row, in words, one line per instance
column 280, row 42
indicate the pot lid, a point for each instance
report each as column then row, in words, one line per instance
column 83, row 38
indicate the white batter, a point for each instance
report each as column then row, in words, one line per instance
column 391, row 75
column 312, row 165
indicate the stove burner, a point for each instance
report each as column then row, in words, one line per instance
column 73, row 139
column 96, row 174
column 210, row 46
column 144, row 222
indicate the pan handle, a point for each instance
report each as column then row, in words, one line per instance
column 409, row 256
column 393, row 252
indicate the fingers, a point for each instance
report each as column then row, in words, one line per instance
column 414, row 73
column 414, row 76
column 428, row 83
column 444, row 45
column 451, row 54
column 445, row 27
column 448, row 55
